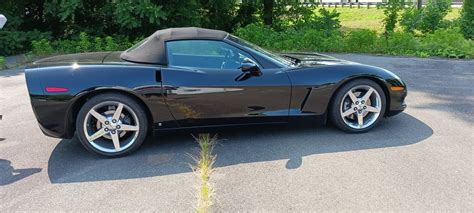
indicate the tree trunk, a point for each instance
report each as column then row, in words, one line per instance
column 419, row 4
column 268, row 12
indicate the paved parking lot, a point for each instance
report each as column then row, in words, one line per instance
column 421, row 159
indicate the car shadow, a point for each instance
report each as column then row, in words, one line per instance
column 448, row 82
column 169, row 154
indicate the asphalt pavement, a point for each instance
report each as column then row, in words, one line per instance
column 420, row 160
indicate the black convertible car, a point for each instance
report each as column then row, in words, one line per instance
column 184, row 78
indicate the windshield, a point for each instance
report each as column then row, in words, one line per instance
column 270, row 55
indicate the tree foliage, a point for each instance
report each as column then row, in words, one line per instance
column 467, row 19
column 427, row 19
column 90, row 25
column 391, row 11
column 66, row 19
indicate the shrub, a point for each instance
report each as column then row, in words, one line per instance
column 258, row 34
column 42, row 47
column 362, row 40
column 313, row 40
column 83, row 43
column 305, row 39
column 98, row 44
column 64, row 46
column 467, row 19
column 2, row 62
column 401, row 43
column 448, row 43
column 443, row 42
column 110, row 44
column 15, row 42
column 11, row 42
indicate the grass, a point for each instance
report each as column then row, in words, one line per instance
column 203, row 169
column 363, row 18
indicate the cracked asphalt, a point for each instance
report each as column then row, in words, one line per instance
column 420, row 160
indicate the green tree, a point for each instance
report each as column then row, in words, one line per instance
column 433, row 15
column 219, row 14
column 467, row 19
column 181, row 13
column 391, row 14
column 24, row 24
column 268, row 6
column 246, row 14
column 103, row 17
column 428, row 19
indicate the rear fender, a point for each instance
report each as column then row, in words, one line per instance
column 56, row 111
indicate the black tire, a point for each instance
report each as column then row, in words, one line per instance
column 334, row 111
column 112, row 97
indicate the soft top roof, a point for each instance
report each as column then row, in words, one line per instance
column 152, row 49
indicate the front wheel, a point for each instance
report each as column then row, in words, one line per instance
column 358, row 106
column 111, row 125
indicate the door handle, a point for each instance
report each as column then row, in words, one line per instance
column 158, row 77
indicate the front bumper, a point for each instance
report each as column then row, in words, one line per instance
column 397, row 102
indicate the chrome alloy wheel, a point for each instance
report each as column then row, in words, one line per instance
column 111, row 126
column 360, row 107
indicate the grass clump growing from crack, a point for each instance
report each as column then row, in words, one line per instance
column 204, row 162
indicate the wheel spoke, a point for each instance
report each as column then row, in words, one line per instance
column 116, row 140
column 348, row 112
column 368, row 94
column 128, row 128
column 97, row 116
column 96, row 135
column 352, row 96
column 111, row 127
column 118, row 112
column 372, row 109
column 360, row 119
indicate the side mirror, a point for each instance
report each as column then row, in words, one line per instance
column 250, row 67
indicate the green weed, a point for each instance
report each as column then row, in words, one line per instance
column 203, row 168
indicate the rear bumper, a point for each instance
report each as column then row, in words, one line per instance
column 52, row 117
column 55, row 134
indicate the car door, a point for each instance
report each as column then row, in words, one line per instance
column 204, row 86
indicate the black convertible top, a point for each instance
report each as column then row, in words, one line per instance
column 152, row 49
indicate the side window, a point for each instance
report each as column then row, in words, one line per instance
column 204, row 54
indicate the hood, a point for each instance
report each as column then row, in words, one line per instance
column 314, row 59
column 82, row 58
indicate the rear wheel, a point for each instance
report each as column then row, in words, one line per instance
column 358, row 106
column 111, row 125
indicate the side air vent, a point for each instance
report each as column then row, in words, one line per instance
column 158, row 76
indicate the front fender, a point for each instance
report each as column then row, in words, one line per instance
column 314, row 87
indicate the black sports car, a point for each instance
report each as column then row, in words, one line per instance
column 184, row 78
